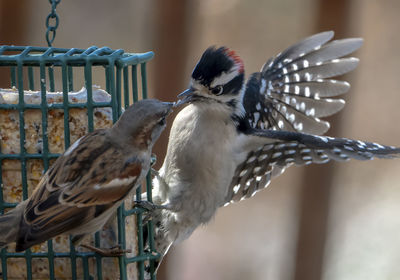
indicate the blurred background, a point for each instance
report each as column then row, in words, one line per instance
column 332, row 221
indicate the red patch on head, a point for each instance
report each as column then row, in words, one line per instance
column 238, row 61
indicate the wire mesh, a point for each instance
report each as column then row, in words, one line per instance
column 26, row 66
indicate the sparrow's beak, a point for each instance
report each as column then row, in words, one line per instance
column 185, row 97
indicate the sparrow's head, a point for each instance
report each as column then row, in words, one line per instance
column 143, row 122
column 218, row 78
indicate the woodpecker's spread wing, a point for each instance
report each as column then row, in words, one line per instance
column 282, row 149
column 293, row 90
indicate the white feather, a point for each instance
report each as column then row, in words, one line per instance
column 72, row 147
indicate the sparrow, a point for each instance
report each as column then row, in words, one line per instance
column 234, row 136
column 87, row 183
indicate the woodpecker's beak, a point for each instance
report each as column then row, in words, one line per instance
column 185, row 97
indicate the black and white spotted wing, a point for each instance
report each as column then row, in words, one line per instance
column 293, row 90
column 271, row 159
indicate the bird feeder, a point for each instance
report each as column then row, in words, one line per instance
column 53, row 98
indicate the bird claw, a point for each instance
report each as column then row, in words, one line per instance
column 149, row 206
column 147, row 218
column 115, row 251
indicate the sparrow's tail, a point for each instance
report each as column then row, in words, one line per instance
column 9, row 225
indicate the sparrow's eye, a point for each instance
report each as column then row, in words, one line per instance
column 162, row 121
column 217, row 90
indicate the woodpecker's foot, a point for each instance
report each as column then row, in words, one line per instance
column 115, row 251
column 150, row 206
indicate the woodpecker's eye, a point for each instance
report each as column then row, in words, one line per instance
column 217, row 90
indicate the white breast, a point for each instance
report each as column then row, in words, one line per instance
column 200, row 162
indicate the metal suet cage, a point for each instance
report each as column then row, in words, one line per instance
column 46, row 70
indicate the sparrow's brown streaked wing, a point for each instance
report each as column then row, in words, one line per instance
column 81, row 185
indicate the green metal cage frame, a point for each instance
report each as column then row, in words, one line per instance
column 119, row 67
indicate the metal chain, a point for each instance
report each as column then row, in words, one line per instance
column 52, row 26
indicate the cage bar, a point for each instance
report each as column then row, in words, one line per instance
column 46, row 69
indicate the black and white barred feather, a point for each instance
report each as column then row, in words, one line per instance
column 289, row 95
column 293, row 90
column 270, row 160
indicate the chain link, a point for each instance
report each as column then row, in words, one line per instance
column 52, row 22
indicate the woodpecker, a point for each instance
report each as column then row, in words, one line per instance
column 85, row 185
column 235, row 136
